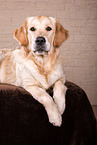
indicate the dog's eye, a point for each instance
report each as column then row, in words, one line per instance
column 32, row 29
column 48, row 28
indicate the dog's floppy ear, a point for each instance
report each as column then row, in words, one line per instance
column 60, row 34
column 21, row 34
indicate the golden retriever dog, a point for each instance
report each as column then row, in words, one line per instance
column 37, row 65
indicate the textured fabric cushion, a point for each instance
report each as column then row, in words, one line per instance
column 23, row 120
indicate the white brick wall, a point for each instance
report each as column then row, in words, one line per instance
column 79, row 51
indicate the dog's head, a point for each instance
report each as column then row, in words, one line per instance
column 41, row 34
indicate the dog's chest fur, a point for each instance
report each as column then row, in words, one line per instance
column 29, row 72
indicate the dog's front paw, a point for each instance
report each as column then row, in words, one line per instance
column 59, row 95
column 60, row 101
column 61, row 105
column 55, row 116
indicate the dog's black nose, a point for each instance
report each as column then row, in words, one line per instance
column 40, row 41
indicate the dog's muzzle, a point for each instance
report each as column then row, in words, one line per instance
column 40, row 44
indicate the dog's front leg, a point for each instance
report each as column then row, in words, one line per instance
column 40, row 95
column 59, row 95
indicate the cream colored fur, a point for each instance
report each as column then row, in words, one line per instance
column 37, row 72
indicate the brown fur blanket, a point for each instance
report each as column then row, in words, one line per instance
column 23, row 120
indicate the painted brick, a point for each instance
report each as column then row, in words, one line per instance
column 80, row 46
column 2, row 0
column 19, row 6
column 20, row 1
column 2, row 5
column 53, row 6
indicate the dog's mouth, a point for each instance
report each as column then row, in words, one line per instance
column 40, row 49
